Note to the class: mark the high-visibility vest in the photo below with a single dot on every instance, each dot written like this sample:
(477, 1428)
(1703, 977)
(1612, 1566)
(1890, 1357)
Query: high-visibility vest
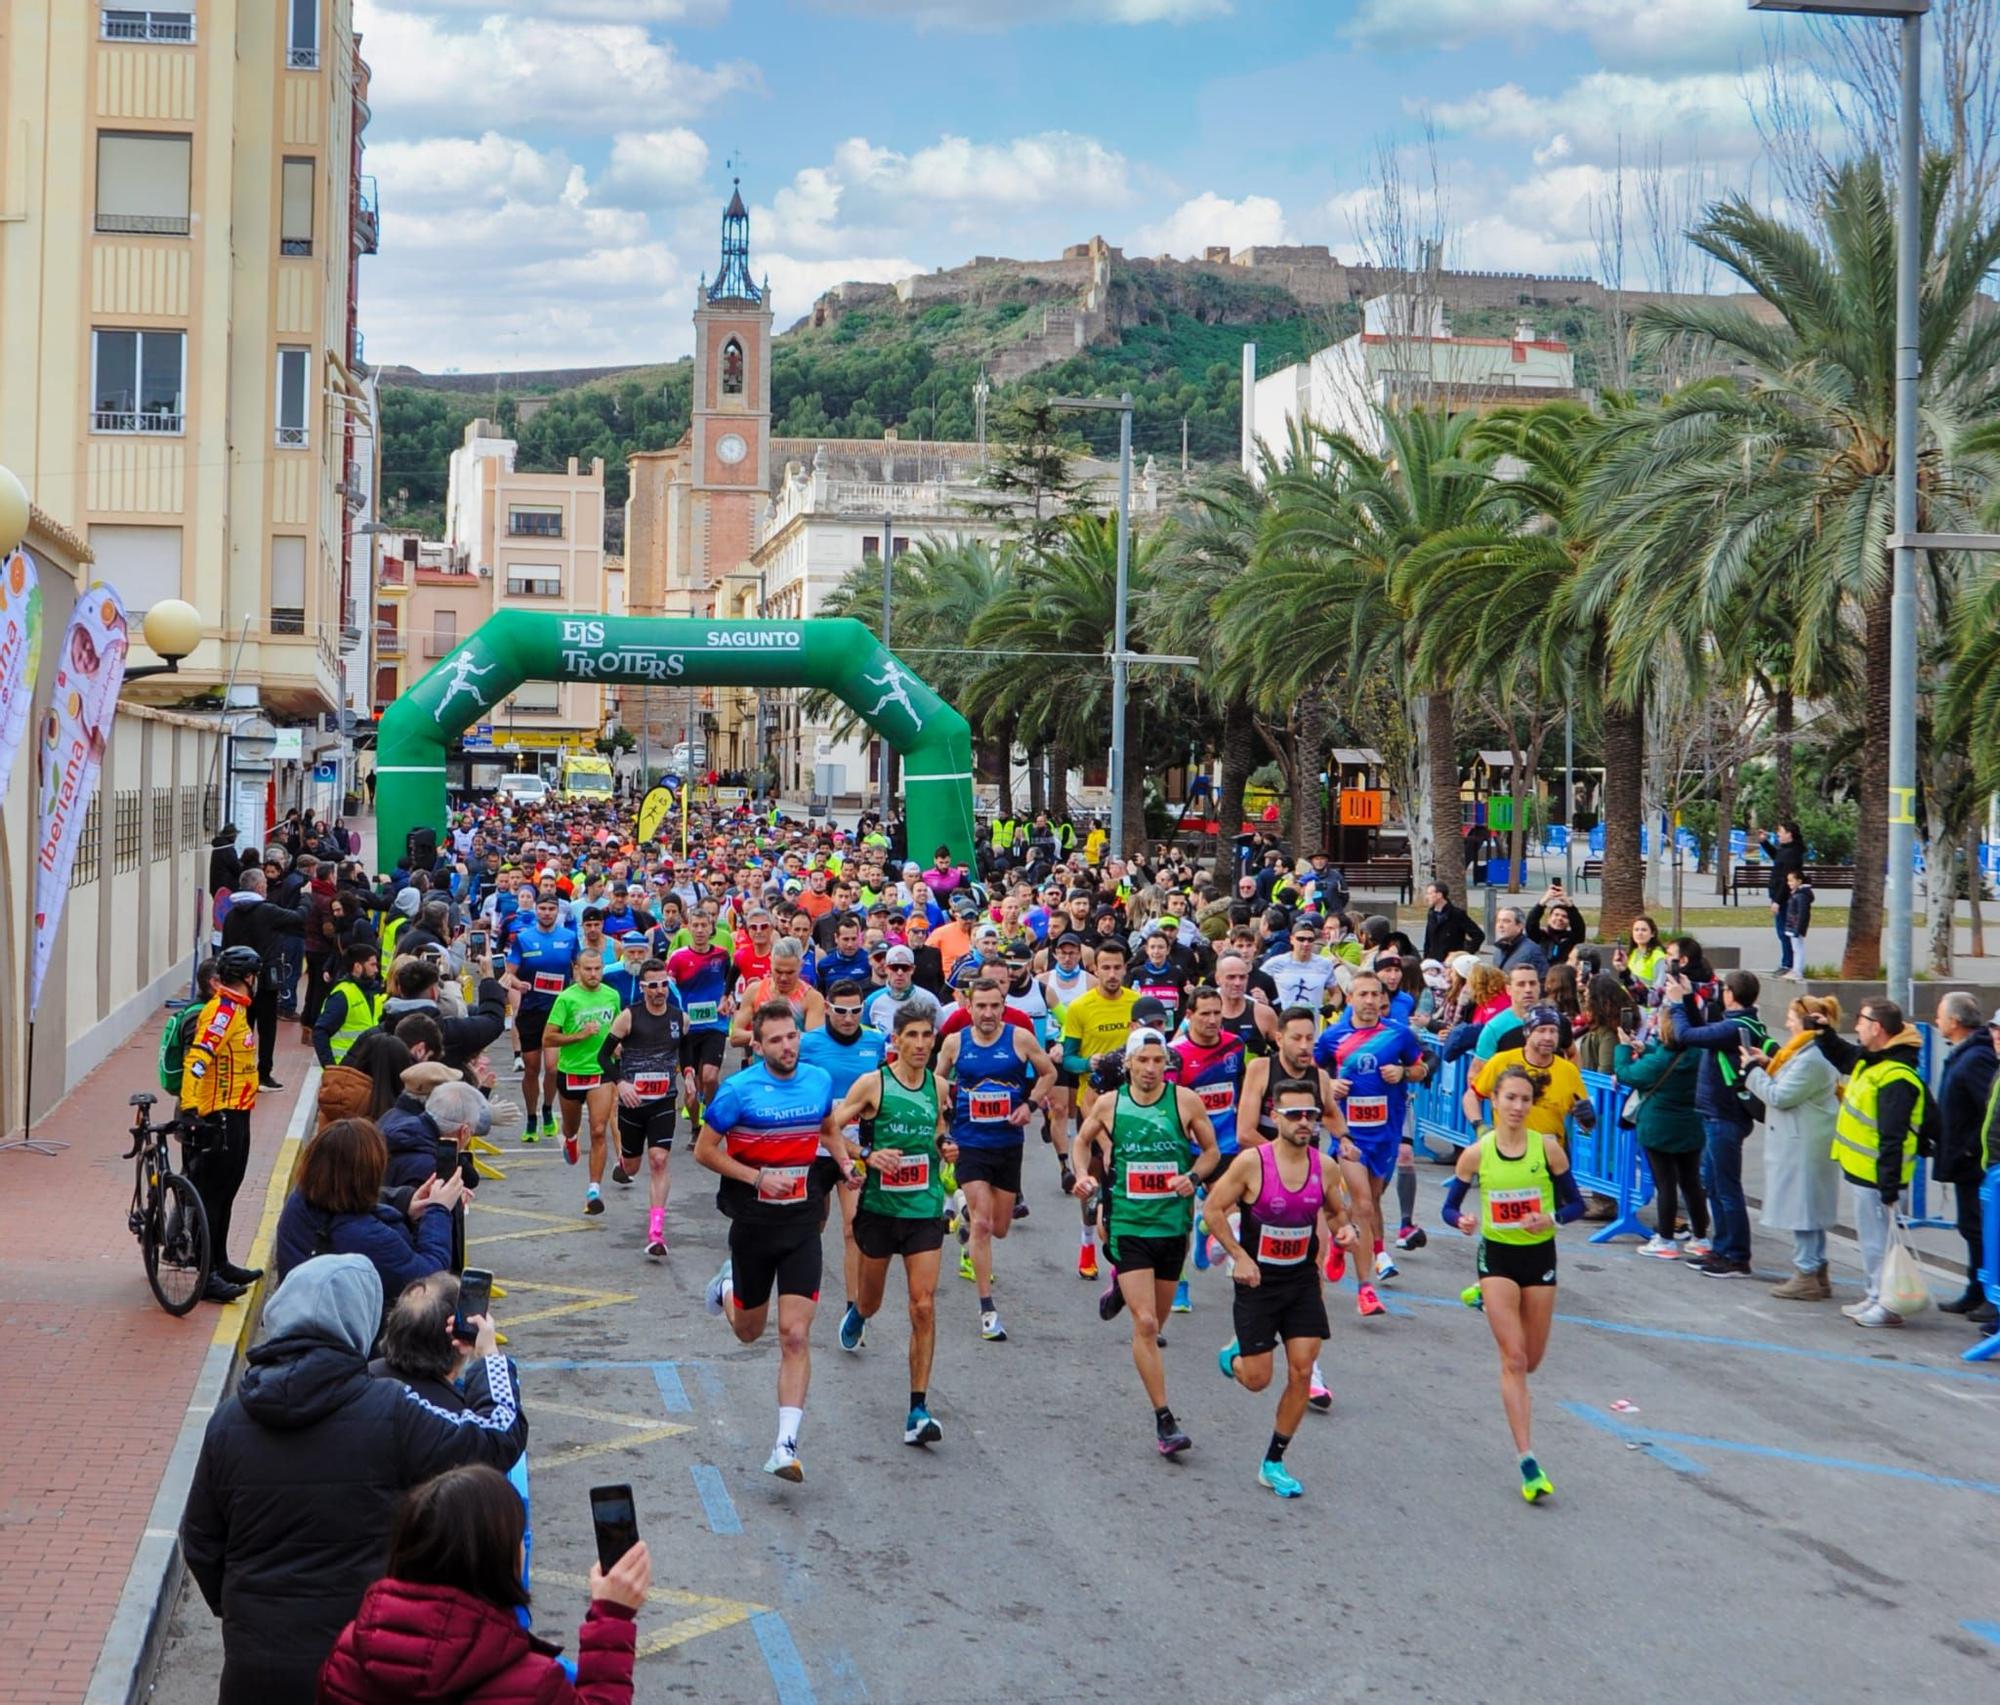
(1003, 833)
(363, 1012)
(390, 930)
(1857, 1140)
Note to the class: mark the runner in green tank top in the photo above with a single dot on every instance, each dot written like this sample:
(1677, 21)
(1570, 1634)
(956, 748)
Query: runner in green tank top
(579, 1024)
(1147, 1127)
(902, 1197)
(1525, 1190)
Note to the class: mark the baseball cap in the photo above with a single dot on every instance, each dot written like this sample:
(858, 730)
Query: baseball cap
(1149, 1009)
(899, 956)
(1143, 1037)
(986, 932)
(1541, 1015)
(963, 902)
(1069, 938)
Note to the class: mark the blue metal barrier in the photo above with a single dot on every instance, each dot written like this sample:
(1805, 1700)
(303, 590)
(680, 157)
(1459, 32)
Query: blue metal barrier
(1919, 1204)
(1607, 1160)
(517, 1477)
(1989, 1263)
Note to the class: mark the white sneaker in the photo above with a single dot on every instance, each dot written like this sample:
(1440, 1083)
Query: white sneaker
(1661, 1248)
(1855, 1310)
(1876, 1315)
(716, 1286)
(1385, 1266)
(784, 1463)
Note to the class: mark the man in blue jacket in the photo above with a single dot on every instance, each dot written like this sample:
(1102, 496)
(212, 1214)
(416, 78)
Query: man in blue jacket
(1964, 1090)
(1726, 1115)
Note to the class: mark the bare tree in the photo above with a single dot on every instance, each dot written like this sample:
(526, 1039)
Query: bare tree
(1402, 232)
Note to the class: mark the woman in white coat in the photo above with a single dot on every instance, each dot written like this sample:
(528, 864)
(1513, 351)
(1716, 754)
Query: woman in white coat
(1801, 1091)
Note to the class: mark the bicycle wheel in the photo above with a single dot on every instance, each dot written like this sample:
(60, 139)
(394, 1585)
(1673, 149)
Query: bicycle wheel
(175, 1242)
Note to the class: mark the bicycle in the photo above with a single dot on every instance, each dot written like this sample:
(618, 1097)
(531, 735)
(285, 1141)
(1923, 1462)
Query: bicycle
(166, 1215)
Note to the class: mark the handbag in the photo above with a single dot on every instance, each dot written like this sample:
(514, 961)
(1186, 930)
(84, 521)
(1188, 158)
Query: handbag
(1903, 1290)
(1628, 1114)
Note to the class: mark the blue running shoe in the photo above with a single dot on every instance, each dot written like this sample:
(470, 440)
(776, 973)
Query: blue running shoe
(853, 1330)
(921, 1429)
(1279, 1479)
(1225, 1359)
(1183, 1303)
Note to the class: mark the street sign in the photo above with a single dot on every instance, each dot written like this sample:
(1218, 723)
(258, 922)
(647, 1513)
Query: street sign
(326, 772)
(290, 744)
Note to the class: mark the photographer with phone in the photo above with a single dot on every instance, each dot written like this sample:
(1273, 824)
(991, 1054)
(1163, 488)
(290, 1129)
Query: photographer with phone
(443, 1624)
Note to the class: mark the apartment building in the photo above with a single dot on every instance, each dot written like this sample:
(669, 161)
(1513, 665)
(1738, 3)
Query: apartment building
(182, 210)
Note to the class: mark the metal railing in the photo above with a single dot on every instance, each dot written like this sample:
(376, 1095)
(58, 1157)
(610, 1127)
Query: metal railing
(288, 618)
(143, 224)
(388, 643)
(144, 421)
(125, 23)
(291, 437)
(295, 245)
(367, 215)
(302, 59)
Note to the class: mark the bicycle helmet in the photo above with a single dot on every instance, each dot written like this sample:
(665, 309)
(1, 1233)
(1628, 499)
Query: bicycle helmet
(237, 964)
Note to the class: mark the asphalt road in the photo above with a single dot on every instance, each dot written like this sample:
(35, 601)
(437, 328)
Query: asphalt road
(1795, 1509)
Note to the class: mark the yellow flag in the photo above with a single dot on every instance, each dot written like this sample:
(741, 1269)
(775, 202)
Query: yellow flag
(653, 811)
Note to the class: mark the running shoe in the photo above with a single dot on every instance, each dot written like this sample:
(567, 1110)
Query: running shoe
(1086, 1261)
(1696, 1249)
(1716, 1268)
(569, 1151)
(531, 1132)
(1385, 1266)
(1171, 1440)
(1473, 1297)
(1068, 1178)
(716, 1286)
(784, 1463)
(1410, 1236)
(1317, 1395)
(853, 1330)
(965, 1266)
(990, 1328)
(1535, 1485)
(1854, 1310)
(517, 1065)
(593, 1200)
(920, 1428)
(1279, 1479)
(1876, 1315)
(619, 1175)
(656, 1248)
(1212, 1248)
(1110, 1302)
(1225, 1359)
(656, 1233)
(1367, 1302)
(1661, 1248)
(1336, 1265)
(1183, 1303)
(1020, 1209)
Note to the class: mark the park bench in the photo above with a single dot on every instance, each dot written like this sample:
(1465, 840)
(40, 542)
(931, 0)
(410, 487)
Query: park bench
(1755, 878)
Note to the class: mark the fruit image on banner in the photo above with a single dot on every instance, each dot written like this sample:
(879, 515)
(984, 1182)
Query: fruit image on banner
(20, 655)
(82, 702)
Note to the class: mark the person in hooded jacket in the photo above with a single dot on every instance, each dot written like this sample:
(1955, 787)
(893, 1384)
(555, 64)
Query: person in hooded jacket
(337, 1208)
(443, 1624)
(294, 1494)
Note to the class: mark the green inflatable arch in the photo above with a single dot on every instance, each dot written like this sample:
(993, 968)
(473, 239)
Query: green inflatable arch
(839, 656)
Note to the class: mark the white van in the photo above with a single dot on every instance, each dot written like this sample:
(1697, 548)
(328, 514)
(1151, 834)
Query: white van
(528, 789)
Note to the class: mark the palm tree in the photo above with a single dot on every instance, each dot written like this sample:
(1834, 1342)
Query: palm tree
(1789, 478)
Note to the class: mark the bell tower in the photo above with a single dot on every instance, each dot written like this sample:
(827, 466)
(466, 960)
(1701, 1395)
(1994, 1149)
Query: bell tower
(731, 428)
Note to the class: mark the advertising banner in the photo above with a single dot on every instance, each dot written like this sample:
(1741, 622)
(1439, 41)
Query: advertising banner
(82, 703)
(653, 811)
(20, 655)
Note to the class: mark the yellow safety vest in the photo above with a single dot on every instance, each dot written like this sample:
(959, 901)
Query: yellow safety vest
(390, 930)
(362, 1013)
(1857, 1142)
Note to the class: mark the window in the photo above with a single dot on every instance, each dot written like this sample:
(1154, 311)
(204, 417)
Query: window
(295, 221)
(163, 819)
(288, 585)
(443, 637)
(732, 369)
(538, 697)
(535, 520)
(292, 368)
(534, 580)
(127, 824)
(303, 52)
(124, 23)
(142, 183)
(89, 844)
(144, 563)
(190, 818)
(136, 380)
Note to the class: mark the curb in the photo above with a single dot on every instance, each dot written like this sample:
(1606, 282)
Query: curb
(145, 1605)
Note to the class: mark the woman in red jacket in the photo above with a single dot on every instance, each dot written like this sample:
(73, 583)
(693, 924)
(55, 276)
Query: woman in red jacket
(441, 1626)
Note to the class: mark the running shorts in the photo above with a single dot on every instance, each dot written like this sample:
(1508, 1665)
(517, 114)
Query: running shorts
(1275, 1312)
(580, 1096)
(1167, 1256)
(1378, 1153)
(1000, 1168)
(1527, 1264)
(703, 1048)
(880, 1236)
(528, 1027)
(650, 1125)
(763, 1256)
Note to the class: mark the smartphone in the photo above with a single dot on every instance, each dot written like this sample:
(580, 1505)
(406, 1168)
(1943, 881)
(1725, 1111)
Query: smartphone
(475, 943)
(444, 1157)
(1629, 1020)
(616, 1519)
(475, 1297)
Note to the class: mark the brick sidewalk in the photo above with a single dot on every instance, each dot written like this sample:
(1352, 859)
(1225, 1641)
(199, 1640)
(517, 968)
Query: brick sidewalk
(98, 1376)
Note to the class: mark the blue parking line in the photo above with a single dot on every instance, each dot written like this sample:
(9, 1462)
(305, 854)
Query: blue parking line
(781, 1658)
(1985, 1630)
(716, 1502)
(672, 1393)
(1631, 1435)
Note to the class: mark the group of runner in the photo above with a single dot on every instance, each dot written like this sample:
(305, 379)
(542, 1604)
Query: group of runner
(900, 1031)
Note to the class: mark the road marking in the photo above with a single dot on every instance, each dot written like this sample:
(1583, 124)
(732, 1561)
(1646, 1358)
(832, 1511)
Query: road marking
(546, 1225)
(716, 1502)
(713, 1615)
(1631, 1435)
(585, 1301)
(638, 1422)
(781, 1658)
(563, 1455)
(1985, 1630)
(672, 1393)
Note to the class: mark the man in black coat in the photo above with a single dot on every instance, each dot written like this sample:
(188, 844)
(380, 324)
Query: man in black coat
(1964, 1090)
(256, 921)
(301, 1473)
(1787, 853)
(416, 990)
(225, 863)
(1448, 929)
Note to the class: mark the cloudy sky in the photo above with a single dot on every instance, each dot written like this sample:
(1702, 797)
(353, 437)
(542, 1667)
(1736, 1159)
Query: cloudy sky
(552, 171)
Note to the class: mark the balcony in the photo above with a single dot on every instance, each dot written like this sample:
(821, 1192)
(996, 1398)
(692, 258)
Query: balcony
(124, 23)
(367, 216)
(147, 422)
(143, 224)
(518, 587)
(302, 59)
(287, 619)
(290, 438)
(388, 643)
(393, 575)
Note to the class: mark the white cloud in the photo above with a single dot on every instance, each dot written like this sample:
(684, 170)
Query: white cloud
(1211, 218)
(1706, 112)
(994, 15)
(455, 171)
(649, 168)
(1622, 32)
(368, 13)
(1056, 166)
(523, 71)
(796, 283)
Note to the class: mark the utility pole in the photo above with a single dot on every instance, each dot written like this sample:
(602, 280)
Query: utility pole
(888, 570)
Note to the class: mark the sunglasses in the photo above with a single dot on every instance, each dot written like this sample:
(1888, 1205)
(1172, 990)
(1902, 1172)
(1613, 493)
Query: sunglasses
(653, 988)
(1297, 1112)
(845, 1011)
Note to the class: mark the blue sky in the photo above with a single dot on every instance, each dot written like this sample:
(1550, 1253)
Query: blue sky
(551, 171)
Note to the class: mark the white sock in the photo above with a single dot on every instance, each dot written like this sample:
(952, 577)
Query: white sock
(789, 1422)
(1316, 1377)
(1089, 1239)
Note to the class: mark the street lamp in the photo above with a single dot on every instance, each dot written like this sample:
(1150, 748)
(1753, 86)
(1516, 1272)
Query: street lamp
(1903, 596)
(13, 512)
(172, 629)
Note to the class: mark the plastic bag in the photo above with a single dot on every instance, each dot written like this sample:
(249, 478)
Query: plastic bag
(1903, 1289)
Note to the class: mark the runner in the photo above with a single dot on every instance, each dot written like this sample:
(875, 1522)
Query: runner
(647, 1061)
(1245, 1015)
(579, 1025)
(899, 1110)
(1525, 1192)
(899, 968)
(1302, 974)
(1374, 1060)
(846, 1050)
(1095, 1027)
(1062, 982)
(1149, 1128)
(786, 983)
(1281, 1190)
(1210, 1063)
(987, 1065)
(701, 976)
(539, 966)
(1160, 972)
(764, 1132)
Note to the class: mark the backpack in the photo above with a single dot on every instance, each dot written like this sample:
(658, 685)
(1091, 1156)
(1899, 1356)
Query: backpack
(174, 1039)
(1732, 1071)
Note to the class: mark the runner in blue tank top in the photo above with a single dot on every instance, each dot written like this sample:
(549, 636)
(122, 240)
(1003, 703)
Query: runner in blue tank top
(539, 966)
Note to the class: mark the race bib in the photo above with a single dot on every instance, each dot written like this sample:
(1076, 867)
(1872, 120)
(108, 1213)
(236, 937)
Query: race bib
(1217, 1097)
(1366, 1110)
(1512, 1207)
(1150, 1177)
(912, 1172)
(1283, 1245)
(1165, 993)
(703, 1012)
(579, 1081)
(654, 1088)
(549, 982)
(990, 1106)
(782, 1184)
